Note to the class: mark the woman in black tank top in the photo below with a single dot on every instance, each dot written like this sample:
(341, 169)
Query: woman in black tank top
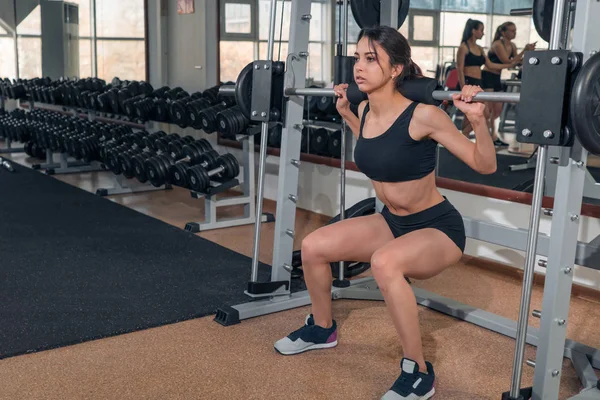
(503, 51)
(469, 60)
(418, 233)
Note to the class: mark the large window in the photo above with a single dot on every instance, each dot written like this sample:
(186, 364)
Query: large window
(111, 41)
(245, 33)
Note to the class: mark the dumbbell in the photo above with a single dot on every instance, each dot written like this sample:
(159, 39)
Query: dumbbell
(231, 122)
(125, 161)
(227, 169)
(318, 141)
(208, 117)
(179, 149)
(138, 165)
(8, 166)
(179, 171)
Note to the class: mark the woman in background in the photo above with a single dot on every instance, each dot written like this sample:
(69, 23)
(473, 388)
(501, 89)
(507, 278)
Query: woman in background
(469, 60)
(502, 51)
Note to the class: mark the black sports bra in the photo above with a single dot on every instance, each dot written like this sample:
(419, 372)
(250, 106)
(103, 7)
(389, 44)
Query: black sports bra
(394, 156)
(494, 57)
(471, 60)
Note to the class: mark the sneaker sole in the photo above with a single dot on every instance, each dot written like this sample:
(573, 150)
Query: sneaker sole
(312, 347)
(429, 395)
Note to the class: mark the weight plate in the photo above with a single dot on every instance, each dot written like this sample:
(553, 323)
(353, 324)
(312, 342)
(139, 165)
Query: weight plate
(585, 105)
(352, 268)
(542, 17)
(179, 175)
(334, 145)
(243, 90)
(319, 141)
(366, 12)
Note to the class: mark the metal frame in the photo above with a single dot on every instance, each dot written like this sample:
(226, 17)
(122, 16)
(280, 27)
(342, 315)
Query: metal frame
(247, 197)
(561, 247)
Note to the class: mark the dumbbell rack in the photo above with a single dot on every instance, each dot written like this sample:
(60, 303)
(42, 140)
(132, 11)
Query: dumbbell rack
(121, 186)
(247, 197)
(63, 166)
(7, 141)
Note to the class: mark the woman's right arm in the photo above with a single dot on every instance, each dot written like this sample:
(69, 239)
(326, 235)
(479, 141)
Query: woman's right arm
(352, 120)
(460, 64)
(343, 106)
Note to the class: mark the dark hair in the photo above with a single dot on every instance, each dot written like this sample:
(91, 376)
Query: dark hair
(397, 48)
(501, 29)
(469, 26)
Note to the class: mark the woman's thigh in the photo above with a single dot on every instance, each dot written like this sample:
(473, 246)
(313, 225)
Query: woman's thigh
(419, 254)
(353, 239)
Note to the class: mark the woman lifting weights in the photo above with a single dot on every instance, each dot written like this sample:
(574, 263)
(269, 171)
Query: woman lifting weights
(469, 60)
(419, 233)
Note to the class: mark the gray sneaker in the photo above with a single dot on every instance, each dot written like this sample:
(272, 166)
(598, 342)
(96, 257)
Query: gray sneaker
(309, 337)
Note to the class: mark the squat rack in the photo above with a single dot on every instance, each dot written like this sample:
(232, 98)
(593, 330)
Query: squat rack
(561, 247)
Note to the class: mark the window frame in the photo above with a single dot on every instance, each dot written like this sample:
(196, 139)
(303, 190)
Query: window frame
(435, 14)
(236, 36)
(94, 40)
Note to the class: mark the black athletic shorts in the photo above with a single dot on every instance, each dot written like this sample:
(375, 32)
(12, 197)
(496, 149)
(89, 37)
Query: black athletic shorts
(489, 80)
(469, 80)
(442, 216)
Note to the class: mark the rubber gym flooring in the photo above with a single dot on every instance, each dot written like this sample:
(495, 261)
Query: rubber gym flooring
(199, 359)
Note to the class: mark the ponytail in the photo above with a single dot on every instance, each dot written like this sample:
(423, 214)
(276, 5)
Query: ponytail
(469, 26)
(501, 29)
(411, 71)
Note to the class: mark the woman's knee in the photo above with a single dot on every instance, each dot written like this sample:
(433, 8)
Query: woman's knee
(386, 268)
(314, 248)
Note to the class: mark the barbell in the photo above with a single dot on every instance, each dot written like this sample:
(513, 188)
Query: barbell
(583, 101)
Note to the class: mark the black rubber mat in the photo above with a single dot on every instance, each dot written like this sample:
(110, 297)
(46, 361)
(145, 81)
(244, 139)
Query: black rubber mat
(76, 267)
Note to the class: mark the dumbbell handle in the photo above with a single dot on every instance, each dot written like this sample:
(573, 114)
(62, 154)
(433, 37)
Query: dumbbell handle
(216, 171)
(7, 165)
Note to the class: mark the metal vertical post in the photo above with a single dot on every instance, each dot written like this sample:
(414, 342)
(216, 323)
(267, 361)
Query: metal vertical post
(570, 178)
(93, 41)
(263, 156)
(534, 225)
(291, 135)
(344, 134)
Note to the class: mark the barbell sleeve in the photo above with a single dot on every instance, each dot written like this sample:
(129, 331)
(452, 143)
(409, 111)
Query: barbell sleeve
(327, 92)
(481, 96)
(227, 90)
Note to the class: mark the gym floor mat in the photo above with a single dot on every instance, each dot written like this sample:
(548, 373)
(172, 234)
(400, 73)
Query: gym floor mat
(76, 267)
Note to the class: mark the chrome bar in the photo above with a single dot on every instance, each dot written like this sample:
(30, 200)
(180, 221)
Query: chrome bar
(227, 90)
(481, 96)
(310, 92)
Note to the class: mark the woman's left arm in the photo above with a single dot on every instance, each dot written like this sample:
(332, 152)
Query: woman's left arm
(481, 155)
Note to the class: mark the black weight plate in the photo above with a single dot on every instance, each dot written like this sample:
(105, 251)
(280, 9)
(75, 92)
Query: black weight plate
(352, 268)
(585, 105)
(208, 159)
(178, 174)
(275, 136)
(191, 150)
(232, 166)
(334, 145)
(319, 141)
(139, 169)
(243, 90)
(542, 17)
(198, 178)
(366, 12)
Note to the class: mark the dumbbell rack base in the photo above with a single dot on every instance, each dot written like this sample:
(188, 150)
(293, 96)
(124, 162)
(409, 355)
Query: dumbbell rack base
(10, 149)
(64, 166)
(124, 187)
(247, 198)
(211, 205)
